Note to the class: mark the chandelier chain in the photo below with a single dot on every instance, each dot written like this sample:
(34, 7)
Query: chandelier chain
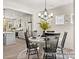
(45, 4)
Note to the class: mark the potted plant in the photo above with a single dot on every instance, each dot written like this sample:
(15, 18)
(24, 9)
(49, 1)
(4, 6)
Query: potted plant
(44, 26)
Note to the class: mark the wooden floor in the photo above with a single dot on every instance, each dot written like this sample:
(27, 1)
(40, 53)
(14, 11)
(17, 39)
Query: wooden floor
(16, 51)
(11, 51)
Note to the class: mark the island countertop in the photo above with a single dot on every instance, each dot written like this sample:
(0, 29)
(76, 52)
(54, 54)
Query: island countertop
(9, 38)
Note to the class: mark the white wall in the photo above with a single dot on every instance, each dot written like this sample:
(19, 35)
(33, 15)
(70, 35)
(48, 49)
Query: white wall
(68, 27)
(65, 10)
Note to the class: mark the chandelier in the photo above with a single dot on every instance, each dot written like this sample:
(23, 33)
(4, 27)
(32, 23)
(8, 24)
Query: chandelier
(44, 14)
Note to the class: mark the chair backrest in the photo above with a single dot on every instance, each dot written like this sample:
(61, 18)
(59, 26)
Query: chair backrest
(4, 39)
(27, 40)
(34, 33)
(53, 41)
(63, 39)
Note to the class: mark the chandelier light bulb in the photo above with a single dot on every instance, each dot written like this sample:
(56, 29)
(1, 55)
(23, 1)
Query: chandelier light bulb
(39, 14)
(42, 16)
(51, 14)
(45, 13)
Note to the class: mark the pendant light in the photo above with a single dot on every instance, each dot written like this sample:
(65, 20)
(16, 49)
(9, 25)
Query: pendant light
(44, 14)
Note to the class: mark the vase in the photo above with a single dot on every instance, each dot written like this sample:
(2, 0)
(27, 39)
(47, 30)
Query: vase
(43, 35)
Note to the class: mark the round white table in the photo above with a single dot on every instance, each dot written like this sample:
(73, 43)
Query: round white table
(37, 39)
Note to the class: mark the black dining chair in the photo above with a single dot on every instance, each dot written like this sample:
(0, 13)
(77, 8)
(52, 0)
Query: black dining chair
(32, 48)
(62, 43)
(51, 48)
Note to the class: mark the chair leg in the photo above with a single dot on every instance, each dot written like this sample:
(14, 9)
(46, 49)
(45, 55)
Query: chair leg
(44, 56)
(37, 54)
(54, 56)
(62, 53)
(28, 54)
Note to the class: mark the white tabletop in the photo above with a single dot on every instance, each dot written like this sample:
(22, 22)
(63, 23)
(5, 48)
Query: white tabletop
(37, 39)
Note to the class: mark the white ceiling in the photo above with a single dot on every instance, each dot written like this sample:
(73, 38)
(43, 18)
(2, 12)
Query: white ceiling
(37, 4)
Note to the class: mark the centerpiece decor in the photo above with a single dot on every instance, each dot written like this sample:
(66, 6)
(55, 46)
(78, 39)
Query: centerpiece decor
(44, 26)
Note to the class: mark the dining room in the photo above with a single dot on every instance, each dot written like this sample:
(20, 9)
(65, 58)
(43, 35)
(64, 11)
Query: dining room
(39, 29)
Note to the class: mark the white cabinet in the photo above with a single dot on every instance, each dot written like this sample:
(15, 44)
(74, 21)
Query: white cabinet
(9, 38)
(21, 34)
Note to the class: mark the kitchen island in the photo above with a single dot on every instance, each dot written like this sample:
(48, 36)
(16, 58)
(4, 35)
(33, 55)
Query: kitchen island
(9, 38)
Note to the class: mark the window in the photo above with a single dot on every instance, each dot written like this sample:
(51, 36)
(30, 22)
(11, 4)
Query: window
(59, 19)
(72, 18)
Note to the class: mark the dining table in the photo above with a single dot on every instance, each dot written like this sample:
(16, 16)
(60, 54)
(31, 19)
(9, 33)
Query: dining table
(39, 39)
(42, 41)
(36, 39)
